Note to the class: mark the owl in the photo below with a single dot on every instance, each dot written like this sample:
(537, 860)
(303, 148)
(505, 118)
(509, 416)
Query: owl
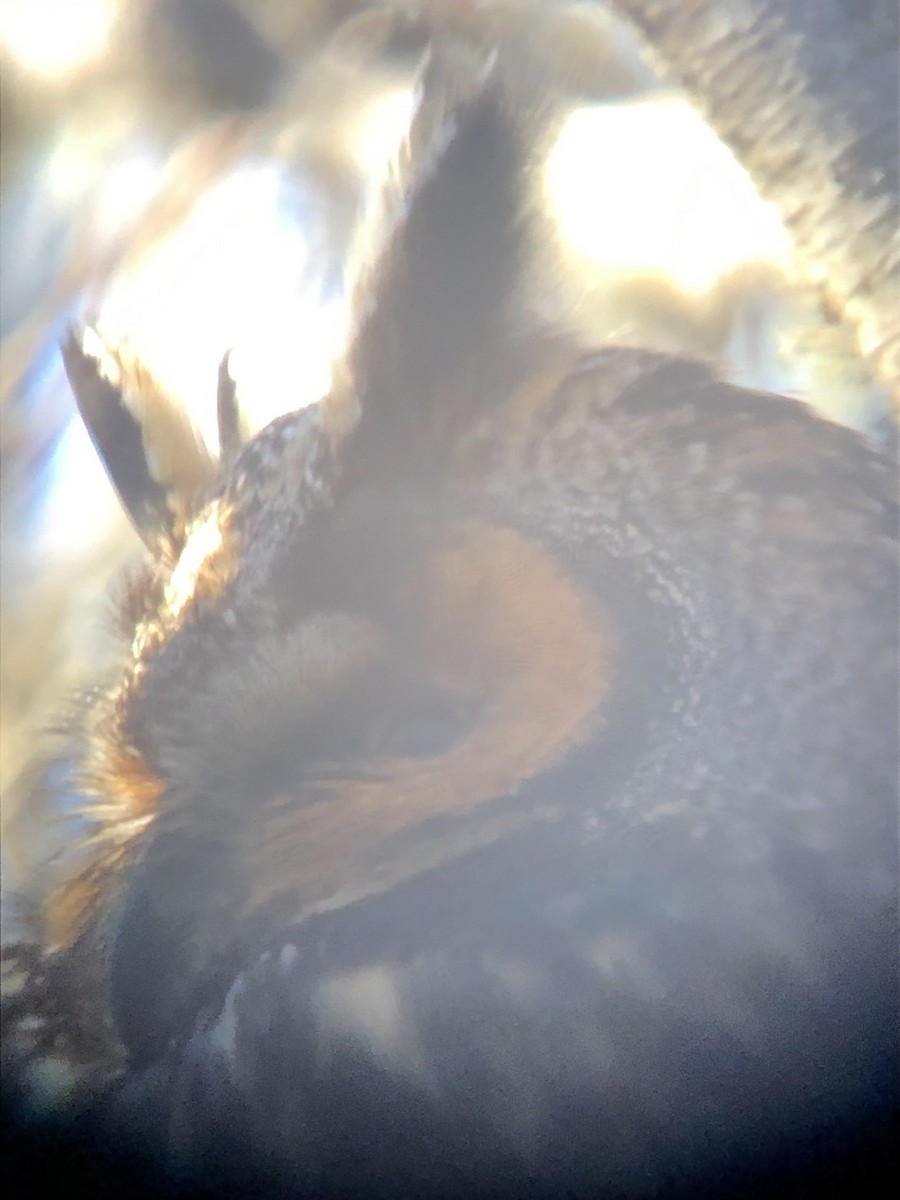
(498, 790)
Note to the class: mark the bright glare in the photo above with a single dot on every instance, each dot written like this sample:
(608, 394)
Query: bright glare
(379, 130)
(78, 511)
(120, 189)
(129, 186)
(230, 277)
(54, 37)
(647, 187)
(235, 277)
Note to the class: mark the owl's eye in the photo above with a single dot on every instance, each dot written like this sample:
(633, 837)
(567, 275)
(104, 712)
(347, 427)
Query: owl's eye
(425, 728)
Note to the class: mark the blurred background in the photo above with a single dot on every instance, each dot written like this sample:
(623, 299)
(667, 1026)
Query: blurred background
(189, 177)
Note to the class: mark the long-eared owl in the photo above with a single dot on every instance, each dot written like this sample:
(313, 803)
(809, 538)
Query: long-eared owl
(499, 791)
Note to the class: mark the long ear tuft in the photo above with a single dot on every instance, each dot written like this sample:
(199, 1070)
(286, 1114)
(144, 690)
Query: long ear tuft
(435, 316)
(155, 459)
(116, 434)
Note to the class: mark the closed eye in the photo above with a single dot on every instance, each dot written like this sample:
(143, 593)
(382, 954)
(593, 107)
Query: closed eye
(343, 774)
(427, 729)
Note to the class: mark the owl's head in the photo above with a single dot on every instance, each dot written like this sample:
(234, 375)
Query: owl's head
(345, 667)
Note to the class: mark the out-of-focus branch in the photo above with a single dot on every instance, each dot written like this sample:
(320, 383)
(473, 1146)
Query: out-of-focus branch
(807, 97)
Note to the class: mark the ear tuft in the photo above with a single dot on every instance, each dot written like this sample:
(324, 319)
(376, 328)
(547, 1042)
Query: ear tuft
(436, 314)
(154, 457)
(232, 431)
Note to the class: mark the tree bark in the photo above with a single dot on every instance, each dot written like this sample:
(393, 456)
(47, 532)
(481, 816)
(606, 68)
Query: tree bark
(805, 92)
